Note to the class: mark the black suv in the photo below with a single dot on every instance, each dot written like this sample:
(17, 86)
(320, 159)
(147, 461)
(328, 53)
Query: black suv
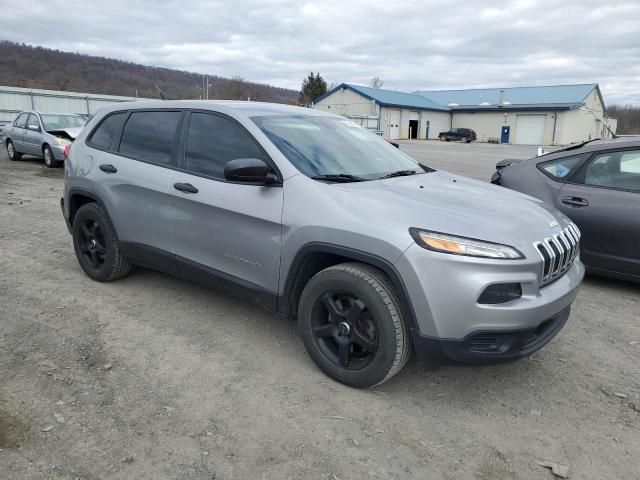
(463, 134)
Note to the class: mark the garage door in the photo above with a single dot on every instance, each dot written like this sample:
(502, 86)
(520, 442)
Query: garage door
(530, 129)
(393, 124)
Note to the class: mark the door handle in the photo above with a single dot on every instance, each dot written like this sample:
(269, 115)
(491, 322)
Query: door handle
(108, 168)
(185, 187)
(575, 201)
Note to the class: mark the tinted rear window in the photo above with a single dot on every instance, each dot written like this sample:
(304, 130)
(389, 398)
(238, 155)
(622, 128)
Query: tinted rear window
(107, 130)
(150, 136)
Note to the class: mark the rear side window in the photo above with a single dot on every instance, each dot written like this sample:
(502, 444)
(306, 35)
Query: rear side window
(562, 167)
(21, 121)
(107, 131)
(212, 141)
(150, 136)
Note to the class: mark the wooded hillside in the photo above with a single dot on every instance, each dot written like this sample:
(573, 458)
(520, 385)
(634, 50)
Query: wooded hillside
(37, 67)
(628, 117)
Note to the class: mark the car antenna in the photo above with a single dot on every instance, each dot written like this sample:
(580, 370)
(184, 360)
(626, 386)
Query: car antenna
(160, 92)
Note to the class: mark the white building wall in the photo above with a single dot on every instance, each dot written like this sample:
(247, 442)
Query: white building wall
(583, 124)
(347, 102)
(14, 100)
(438, 121)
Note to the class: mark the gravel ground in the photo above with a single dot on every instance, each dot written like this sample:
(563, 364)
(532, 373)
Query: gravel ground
(153, 377)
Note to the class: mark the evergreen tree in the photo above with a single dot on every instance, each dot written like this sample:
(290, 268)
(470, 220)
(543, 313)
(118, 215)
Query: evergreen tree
(313, 86)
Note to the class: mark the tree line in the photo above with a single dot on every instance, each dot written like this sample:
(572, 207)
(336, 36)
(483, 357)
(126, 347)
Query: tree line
(38, 67)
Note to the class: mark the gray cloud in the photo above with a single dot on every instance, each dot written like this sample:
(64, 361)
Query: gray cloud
(410, 45)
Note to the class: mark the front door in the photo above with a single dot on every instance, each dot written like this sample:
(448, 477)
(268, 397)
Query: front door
(32, 140)
(226, 234)
(604, 201)
(504, 135)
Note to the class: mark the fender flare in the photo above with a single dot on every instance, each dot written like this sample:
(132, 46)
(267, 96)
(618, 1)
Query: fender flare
(92, 195)
(351, 253)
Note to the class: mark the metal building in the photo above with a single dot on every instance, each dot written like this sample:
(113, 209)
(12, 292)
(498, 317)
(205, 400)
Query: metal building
(389, 113)
(15, 99)
(549, 115)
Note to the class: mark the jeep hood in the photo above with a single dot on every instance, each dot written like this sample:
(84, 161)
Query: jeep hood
(448, 203)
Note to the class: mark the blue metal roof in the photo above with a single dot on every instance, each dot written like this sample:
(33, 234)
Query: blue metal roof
(531, 96)
(389, 98)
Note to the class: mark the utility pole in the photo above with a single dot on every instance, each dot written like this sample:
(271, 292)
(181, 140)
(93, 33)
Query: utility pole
(207, 80)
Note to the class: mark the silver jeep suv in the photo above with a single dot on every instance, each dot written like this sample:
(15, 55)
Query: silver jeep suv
(314, 218)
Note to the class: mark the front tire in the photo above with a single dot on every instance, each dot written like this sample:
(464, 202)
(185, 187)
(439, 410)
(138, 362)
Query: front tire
(49, 159)
(351, 324)
(464, 140)
(12, 153)
(96, 245)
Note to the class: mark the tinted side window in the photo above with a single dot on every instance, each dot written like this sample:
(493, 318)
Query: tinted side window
(561, 167)
(212, 141)
(21, 121)
(106, 131)
(150, 136)
(615, 170)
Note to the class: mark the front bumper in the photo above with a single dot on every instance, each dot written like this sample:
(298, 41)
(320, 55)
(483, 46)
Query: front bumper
(58, 152)
(444, 290)
(487, 347)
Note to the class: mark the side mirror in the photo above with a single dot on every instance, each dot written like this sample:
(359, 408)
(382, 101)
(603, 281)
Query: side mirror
(35, 128)
(249, 170)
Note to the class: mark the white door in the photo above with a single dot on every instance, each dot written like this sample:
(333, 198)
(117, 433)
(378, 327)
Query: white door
(530, 129)
(393, 123)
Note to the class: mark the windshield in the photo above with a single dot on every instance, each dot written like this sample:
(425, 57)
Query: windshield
(319, 146)
(60, 122)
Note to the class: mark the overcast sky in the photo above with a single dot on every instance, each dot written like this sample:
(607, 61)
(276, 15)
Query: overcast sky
(411, 45)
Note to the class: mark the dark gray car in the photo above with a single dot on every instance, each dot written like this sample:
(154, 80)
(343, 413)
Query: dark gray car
(597, 185)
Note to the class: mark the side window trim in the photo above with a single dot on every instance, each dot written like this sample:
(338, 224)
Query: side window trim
(181, 164)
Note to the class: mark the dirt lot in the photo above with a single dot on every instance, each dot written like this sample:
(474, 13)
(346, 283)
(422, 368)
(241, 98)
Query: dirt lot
(153, 377)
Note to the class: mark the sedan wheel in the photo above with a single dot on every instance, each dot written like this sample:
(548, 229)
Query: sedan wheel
(11, 151)
(49, 159)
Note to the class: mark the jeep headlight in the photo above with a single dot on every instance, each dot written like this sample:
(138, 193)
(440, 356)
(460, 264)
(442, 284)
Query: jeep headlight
(444, 243)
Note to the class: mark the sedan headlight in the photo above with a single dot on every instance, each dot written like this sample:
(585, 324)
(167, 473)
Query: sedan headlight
(61, 141)
(441, 242)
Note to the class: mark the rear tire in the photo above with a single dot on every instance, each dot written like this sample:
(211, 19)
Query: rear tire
(96, 245)
(12, 153)
(351, 324)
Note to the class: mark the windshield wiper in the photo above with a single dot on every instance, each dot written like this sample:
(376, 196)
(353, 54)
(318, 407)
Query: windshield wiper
(398, 173)
(339, 177)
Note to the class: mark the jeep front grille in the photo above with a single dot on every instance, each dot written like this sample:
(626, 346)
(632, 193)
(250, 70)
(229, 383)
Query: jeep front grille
(558, 253)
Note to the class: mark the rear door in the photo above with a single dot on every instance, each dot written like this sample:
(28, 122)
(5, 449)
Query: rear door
(134, 153)
(225, 233)
(603, 199)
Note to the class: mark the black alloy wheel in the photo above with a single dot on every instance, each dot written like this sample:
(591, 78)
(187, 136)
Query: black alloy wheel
(345, 330)
(92, 244)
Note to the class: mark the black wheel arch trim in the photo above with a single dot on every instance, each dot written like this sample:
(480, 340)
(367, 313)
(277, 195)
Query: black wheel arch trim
(92, 195)
(285, 298)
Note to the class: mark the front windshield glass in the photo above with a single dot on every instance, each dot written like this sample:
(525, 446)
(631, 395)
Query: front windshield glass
(60, 122)
(318, 145)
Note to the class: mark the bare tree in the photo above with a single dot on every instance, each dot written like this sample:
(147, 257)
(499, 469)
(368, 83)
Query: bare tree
(376, 82)
(62, 82)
